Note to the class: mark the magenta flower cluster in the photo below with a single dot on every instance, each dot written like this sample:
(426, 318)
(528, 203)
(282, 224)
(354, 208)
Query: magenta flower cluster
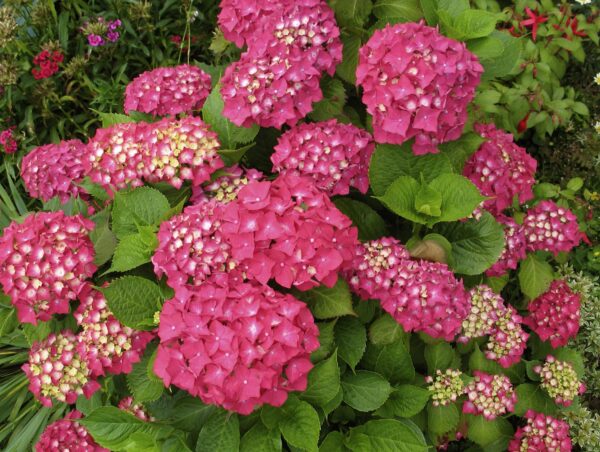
(554, 315)
(416, 83)
(501, 169)
(44, 262)
(514, 247)
(335, 155)
(541, 433)
(489, 396)
(236, 344)
(67, 434)
(168, 91)
(100, 31)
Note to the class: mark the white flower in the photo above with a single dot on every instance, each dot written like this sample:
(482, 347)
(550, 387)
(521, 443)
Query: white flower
(584, 2)
(597, 79)
(597, 126)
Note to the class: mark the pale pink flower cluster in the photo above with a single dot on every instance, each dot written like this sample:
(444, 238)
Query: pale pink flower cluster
(67, 434)
(446, 387)
(57, 371)
(501, 169)
(555, 314)
(541, 434)
(508, 340)
(489, 396)
(550, 227)
(514, 247)
(335, 155)
(136, 409)
(44, 262)
(54, 170)
(225, 187)
(417, 83)
(559, 379)
(104, 343)
(168, 90)
(235, 344)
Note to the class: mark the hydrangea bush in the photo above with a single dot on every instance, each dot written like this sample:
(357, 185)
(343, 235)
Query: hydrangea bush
(314, 242)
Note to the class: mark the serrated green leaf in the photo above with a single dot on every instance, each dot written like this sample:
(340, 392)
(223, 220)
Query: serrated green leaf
(369, 223)
(144, 385)
(428, 201)
(143, 206)
(459, 197)
(352, 12)
(474, 23)
(484, 432)
(351, 340)
(260, 438)
(365, 390)
(323, 382)
(386, 435)
(406, 401)
(535, 276)
(459, 151)
(385, 330)
(400, 199)
(326, 341)
(438, 356)
(220, 433)
(406, 9)
(134, 301)
(299, 424)
(532, 396)
(134, 250)
(346, 70)
(442, 419)
(332, 104)
(110, 119)
(327, 303)
(505, 63)
(393, 361)
(333, 442)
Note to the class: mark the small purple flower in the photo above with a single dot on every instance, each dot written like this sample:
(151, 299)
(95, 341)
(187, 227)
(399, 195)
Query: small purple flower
(113, 25)
(112, 36)
(95, 40)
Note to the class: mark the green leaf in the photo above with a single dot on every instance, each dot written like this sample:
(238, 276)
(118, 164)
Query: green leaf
(459, 197)
(332, 104)
(484, 432)
(535, 276)
(406, 401)
(459, 151)
(143, 206)
(134, 301)
(393, 361)
(299, 424)
(476, 245)
(370, 225)
(442, 419)
(326, 303)
(110, 119)
(352, 12)
(86, 406)
(385, 330)
(346, 70)
(365, 391)
(333, 442)
(351, 339)
(573, 357)
(504, 64)
(487, 47)
(323, 382)
(428, 201)
(400, 198)
(112, 428)
(230, 135)
(260, 438)
(453, 7)
(232, 156)
(475, 23)
(532, 396)
(386, 435)
(143, 383)
(326, 341)
(389, 162)
(438, 356)
(134, 250)
(221, 432)
(103, 238)
(406, 9)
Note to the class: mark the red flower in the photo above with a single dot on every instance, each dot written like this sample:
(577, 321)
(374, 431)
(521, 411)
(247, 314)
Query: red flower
(534, 21)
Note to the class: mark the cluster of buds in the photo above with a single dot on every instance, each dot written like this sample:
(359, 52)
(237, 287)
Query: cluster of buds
(559, 379)
(541, 433)
(168, 91)
(57, 371)
(136, 409)
(54, 170)
(8, 141)
(44, 262)
(501, 169)
(489, 396)
(8, 25)
(508, 340)
(417, 83)
(67, 434)
(486, 308)
(514, 247)
(104, 343)
(101, 31)
(47, 62)
(336, 156)
(236, 345)
(225, 187)
(555, 314)
(446, 387)
(552, 228)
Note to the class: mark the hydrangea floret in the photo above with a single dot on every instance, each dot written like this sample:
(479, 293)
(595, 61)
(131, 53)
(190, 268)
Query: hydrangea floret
(44, 262)
(416, 83)
(508, 340)
(489, 396)
(67, 434)
(542, 433)
(446, 387)
(514, 247)
(486, 308)
(335, 155)
(239, 21)
(137, 409)
(559, 379)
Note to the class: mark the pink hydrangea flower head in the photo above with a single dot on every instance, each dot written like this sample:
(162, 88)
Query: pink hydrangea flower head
(168, 90)
(118, 156)
(307, 29)
(335, 155)
(137, 409)
(56, 371)
(191, 246)
(416, 83)
(54, 170)
(486, 307)
(489, 396)
(270, 89)
(555, 314)
(184, 149)
(104, 343)
(514, 247)
(67, 434)
(240, 20)
(225, 187)
(446, 387)
(550, 227)
(501, 169)
(375, 266)
(508, 340)
(541, 434)
(426, 296)
(236, 345)
(559, 379)
(290, 231)
(44, 262)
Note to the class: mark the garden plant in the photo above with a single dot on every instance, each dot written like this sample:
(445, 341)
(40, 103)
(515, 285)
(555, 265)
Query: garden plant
(299, 225)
